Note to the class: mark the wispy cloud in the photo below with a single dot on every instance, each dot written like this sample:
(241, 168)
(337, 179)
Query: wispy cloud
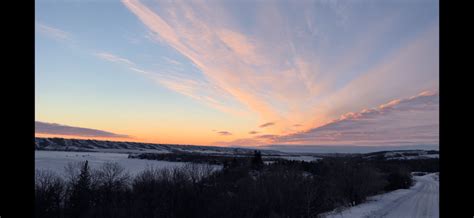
(302, 68)
(267, 137)
(200, 90)
(225, 49)
(172, 61)
(280, 71)
(224, 133)
(267, 124)
(59, 129)
(53, 32)
(114, 58)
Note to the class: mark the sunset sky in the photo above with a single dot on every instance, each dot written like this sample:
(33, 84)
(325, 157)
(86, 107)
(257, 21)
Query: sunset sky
(244, 73)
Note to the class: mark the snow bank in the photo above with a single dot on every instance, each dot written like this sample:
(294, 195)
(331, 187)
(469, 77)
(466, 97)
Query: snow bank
(421, 200)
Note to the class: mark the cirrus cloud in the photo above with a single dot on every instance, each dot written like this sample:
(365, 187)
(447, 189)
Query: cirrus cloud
(267, 124)
(300, 68)
(224, 133)
(53, 32)
(114, 58)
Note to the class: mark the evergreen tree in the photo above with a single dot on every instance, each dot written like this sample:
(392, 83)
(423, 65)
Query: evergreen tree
(257, 161)
(80, 198)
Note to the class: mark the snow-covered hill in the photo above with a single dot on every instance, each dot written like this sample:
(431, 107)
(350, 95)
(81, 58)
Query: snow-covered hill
(403, 155)
(61, 144)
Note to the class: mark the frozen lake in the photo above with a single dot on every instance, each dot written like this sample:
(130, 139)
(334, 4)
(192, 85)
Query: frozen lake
(58, 160)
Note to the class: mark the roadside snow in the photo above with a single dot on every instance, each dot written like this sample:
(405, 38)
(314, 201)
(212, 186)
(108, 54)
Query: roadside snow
(421, 200)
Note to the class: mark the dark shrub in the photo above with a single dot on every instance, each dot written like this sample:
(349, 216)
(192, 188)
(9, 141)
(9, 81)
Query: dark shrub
(398, 178)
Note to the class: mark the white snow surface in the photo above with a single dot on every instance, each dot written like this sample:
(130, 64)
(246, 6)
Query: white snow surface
(423, 156)
(421, 200)
(57, 161)
(301, 158)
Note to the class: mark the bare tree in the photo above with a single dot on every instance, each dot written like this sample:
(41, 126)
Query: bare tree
(49, 193)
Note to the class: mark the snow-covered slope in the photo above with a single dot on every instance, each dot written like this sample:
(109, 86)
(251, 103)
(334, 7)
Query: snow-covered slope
(61, 144)
(403, 155)
(421, 200)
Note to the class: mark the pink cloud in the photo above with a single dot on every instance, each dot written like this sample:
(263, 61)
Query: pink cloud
(273, 74)
(413, 120)
(408, 121)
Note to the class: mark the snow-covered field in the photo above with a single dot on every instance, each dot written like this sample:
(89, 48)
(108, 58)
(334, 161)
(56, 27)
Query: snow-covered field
(302, 158)
(58, 160)
(421, 200)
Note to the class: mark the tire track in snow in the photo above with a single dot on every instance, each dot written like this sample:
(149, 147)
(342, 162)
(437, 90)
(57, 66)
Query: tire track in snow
(421, 200)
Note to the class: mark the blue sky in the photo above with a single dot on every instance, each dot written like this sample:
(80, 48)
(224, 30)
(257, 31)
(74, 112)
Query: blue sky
(190, 71)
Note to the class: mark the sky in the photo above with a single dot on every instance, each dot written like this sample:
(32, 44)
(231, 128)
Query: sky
(239, 73)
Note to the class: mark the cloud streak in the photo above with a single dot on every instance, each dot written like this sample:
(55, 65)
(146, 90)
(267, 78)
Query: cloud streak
(53, 32)
(267, 124)
(224, 133)
(302, 67)
(59, 129)
(298, 80)
(172, 61)
(199, 90)
(114, 58)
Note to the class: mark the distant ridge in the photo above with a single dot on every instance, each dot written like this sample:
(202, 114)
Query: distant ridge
(402, 155)
(62, 144)
(345, 148)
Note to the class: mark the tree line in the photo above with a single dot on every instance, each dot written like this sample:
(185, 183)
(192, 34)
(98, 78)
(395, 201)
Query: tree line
(243, 188)
(196, 157)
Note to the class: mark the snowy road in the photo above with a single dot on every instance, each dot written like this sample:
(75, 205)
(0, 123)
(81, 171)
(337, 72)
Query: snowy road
(421, 200)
